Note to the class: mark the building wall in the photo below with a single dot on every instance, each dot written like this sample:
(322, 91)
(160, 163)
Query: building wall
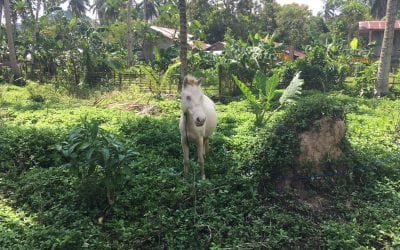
(378, 37)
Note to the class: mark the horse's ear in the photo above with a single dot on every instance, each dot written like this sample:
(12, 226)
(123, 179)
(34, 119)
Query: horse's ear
(190, 80)
(201, 81)
(186, 80)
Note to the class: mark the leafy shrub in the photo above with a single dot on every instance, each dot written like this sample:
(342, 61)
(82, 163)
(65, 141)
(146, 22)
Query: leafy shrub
(90, 150)
(365, 79)
(277, 148)
(25, 148)
(152, 134)
(318, 70)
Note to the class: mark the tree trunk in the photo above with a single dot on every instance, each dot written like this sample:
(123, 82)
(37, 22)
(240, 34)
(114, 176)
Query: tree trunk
(35, 17)
(382, 79)
(145, 11)
(183, 41)
(130, 41)
(1, 11)
(10, 38)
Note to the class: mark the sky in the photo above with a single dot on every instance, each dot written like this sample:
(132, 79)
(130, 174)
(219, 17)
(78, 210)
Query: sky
(314, 5)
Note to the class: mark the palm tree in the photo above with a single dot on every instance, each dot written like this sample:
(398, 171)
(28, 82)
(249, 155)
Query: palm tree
(1, 10)
(378, 8)
(183, 41)
(78, 7)
(382, 79)
(130, 38)
(34, 17)
(10, 38)
(107, 11)
(149, 9)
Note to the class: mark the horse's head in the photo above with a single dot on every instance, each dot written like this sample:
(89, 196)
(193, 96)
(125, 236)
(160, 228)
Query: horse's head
(192, 100)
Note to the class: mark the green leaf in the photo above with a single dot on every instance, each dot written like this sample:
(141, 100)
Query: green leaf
(89, 154)
(106, 154)
(73, 22)
(260, 81)
(293, 90)
(270, 87)
(246, 92)
(354, 43)
(72, 148)
(84, 146)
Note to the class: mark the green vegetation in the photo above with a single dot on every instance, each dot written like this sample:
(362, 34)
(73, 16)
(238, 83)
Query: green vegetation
(90, 152)
(45, 205)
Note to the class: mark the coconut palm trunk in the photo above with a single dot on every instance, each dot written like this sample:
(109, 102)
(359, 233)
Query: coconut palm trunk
(1, 11)
(183, 41)
(130, 39)
(382, 79)
(10, 38)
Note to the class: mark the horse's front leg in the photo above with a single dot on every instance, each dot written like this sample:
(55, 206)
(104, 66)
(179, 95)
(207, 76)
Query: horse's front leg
(206, 146)
(185, 149)
(200, 156)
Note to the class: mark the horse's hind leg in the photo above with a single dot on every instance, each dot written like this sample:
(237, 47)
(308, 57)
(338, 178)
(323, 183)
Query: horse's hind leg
(200, 156)
(185, 149)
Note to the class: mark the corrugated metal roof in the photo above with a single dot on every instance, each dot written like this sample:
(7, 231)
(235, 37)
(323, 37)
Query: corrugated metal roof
(375, 25)
(172, 34)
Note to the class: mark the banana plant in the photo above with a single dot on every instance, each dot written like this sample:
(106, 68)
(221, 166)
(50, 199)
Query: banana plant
(266, 89)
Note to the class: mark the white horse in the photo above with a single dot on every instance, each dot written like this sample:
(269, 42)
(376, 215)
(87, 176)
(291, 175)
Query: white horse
(198, 121)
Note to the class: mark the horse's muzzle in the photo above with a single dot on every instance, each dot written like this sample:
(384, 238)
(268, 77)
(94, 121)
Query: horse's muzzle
(199, 122)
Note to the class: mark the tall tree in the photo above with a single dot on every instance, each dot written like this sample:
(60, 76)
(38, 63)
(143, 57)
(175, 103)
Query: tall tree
(149, 9)
(10, 38)
(34, 17)
(78, 7)
(378, 8)
(183, 41)
(382, 78)
(292, 22)
(129, 35)
(268, 15)
(1, 10)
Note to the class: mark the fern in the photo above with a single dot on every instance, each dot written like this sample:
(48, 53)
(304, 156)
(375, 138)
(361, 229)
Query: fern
(293, 90)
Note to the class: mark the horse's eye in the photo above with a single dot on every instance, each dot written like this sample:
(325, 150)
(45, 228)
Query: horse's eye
(188, 98)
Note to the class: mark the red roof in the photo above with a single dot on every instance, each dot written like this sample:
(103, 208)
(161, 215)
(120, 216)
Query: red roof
(375, 25)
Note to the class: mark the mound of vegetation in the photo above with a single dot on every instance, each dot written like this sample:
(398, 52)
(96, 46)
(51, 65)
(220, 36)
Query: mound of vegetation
(281, 153)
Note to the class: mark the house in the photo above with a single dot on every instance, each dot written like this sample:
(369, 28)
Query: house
(372, 31)
(166, 38)
(216, 48)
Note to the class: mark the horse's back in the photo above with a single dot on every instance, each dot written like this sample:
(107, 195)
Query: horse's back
(211, 114)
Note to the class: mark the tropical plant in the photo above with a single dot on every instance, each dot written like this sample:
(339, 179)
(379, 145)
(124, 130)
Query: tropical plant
(266, 87)
(156, 81)
(90, 151)
(365, 78)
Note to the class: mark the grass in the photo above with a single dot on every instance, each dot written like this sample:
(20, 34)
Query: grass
(43, 206)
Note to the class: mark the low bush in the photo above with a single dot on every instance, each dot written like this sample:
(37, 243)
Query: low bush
(278, 147)
(318, 70)
(24, 148)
